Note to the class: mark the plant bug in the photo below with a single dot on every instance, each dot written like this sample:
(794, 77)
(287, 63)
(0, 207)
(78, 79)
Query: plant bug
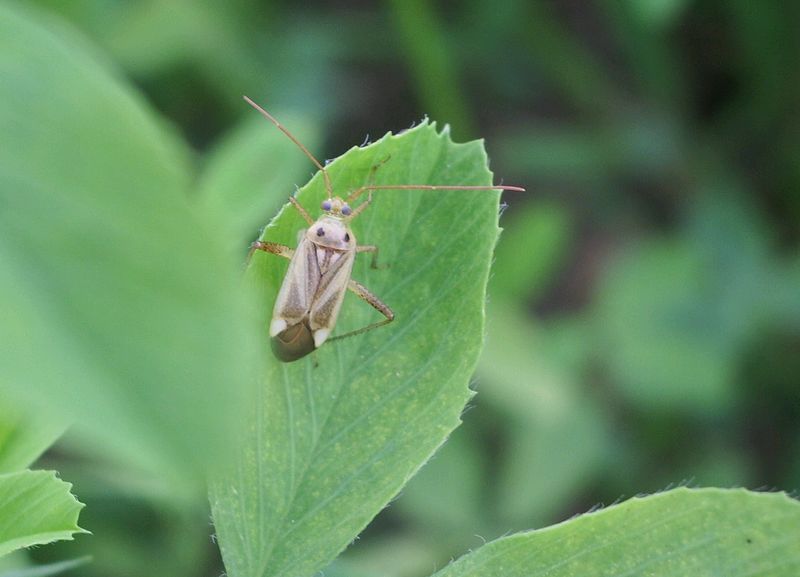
(318, 277)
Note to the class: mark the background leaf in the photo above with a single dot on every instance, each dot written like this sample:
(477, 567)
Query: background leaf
(331, 444)
(36, 508)
(532, 247)
(120, 309)
(674, 315)
(672, 534)
(552, 425)
(47, 570)
(24, 437)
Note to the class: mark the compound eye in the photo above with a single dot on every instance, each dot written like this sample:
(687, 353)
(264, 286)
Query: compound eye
(346, 210)
(326, 205)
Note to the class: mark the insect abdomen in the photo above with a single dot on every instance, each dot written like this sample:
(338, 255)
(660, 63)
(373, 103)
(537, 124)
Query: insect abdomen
(293, 343)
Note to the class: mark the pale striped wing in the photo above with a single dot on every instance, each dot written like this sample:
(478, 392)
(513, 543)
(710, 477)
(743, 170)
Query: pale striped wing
(297, 292)
(336, 268)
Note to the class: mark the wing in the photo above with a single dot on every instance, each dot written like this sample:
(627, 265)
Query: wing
(298, 289)
(330, 291)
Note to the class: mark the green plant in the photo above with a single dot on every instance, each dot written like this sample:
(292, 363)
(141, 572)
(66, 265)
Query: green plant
(126, 316)
(36, 507)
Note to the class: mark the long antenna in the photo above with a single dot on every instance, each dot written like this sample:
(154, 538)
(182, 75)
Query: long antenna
(299, 144)
(359, 191)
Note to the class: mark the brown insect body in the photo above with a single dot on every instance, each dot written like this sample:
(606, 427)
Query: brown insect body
(310, 298)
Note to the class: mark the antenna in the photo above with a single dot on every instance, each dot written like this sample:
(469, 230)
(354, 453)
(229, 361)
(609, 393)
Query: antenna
(359, 191)
(299, 144)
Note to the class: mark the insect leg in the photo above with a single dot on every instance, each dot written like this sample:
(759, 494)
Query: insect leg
(361, 207)
(363, 293)
(370, 182)
(375, 167)
(273, 247)
(374, 250)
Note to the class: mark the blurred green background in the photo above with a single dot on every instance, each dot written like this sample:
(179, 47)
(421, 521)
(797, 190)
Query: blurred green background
(644, 311)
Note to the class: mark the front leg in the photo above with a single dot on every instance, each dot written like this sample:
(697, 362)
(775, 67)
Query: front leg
(370, 181)
(271, 247)
(374, 250)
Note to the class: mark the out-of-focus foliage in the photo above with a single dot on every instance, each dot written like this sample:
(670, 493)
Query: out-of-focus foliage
(24, 437)
(56, 568)
(644, 315)
(106, 321)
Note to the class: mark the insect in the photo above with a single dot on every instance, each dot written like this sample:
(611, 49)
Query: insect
(318, 277)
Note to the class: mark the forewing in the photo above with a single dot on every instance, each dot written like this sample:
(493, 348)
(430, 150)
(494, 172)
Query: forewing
(300, 285)
(331, 289)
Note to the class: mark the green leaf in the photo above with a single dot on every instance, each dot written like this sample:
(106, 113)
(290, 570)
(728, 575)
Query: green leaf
(36, 507)
(698, 532)
(333, 440)
(24, 437)
(120, 307)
